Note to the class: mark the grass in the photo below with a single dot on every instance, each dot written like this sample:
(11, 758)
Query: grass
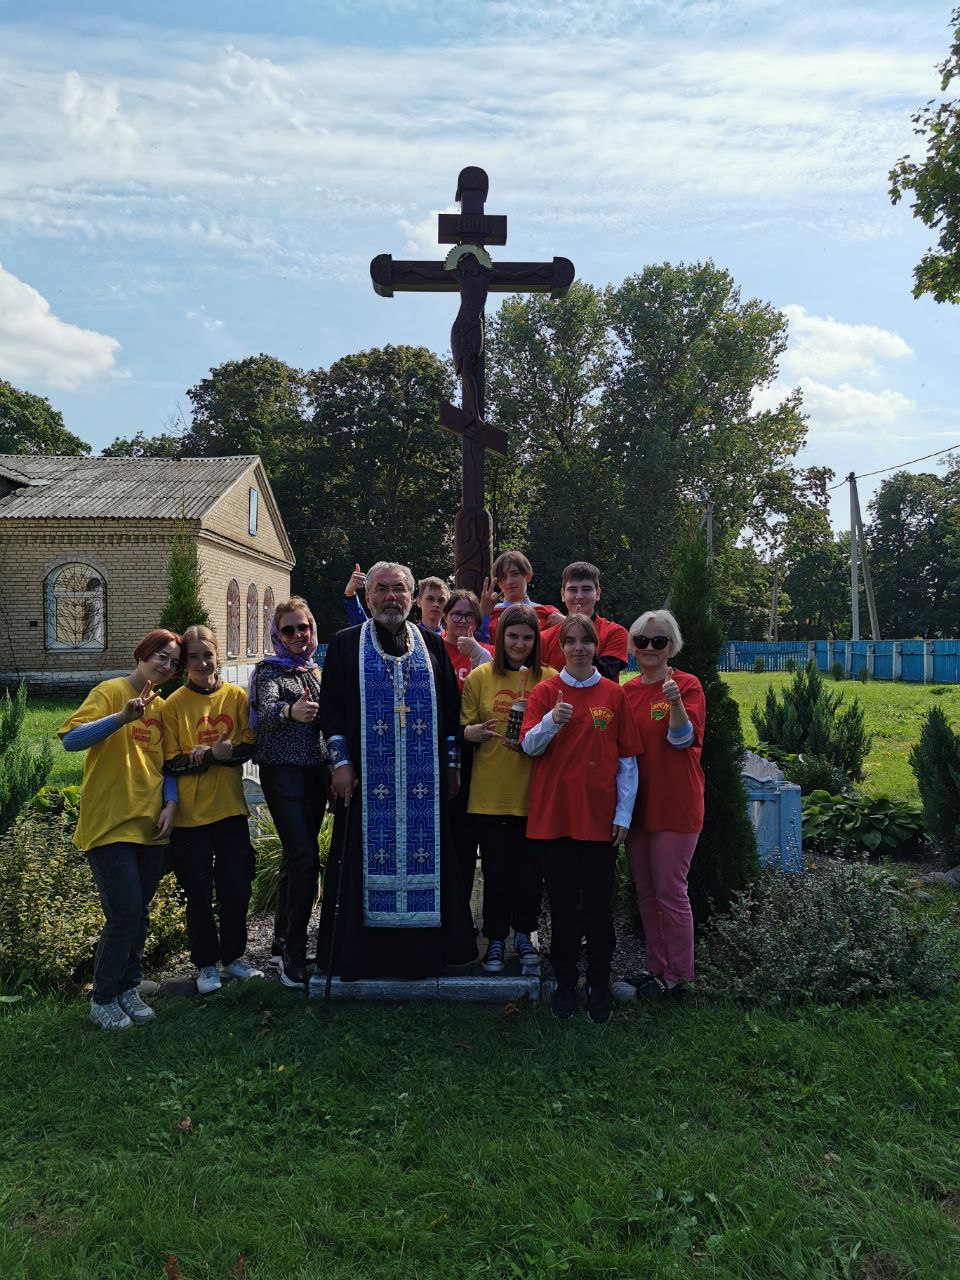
(44, 717)
(247, 1137)
(893, 714)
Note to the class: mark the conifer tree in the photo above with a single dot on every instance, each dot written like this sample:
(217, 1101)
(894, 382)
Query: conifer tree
(184, 607)
(935, 761)
(22, 771)
(726, 856)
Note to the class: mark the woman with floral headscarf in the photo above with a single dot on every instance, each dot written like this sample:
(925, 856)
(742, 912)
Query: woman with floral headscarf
(294, 774)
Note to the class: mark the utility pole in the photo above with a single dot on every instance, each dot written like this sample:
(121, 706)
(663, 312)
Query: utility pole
(865, 560)
(854, 581)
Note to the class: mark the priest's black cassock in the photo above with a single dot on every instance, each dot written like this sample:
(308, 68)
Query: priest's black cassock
(362, 951)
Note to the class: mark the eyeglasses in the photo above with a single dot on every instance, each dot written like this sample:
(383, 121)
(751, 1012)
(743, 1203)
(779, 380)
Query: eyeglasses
(462, 617)
(167, 660)
(301, 629)
(658, 642)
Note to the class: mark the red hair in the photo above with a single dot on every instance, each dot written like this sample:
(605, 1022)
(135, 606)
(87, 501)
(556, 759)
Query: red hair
(153, 642)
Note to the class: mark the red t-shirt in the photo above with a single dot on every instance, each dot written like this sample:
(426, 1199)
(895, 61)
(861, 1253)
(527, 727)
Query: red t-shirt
(459, 661)
(670, 797)
(612, 642)
(573, 790)
(543, 612)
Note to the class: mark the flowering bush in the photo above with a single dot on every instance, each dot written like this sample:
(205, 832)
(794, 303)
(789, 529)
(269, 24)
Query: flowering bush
(830, 936)
(50, 915)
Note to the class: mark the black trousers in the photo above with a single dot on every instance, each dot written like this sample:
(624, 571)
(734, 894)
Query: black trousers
(512, 875)
(297, 800)
(580, 876)
(126, 876)
(217, 857)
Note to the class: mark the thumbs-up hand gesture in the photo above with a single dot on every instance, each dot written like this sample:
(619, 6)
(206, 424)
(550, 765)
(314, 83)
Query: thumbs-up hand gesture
(356, 582)
(670, 689)
(305, 709)
(563, 711)
(467, 645)
(222, 749)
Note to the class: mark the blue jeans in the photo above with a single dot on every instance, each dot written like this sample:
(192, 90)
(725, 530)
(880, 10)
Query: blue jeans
(126, 877)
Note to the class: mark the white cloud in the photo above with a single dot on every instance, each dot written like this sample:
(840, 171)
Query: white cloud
(36, 344)
(422, 235)
(853, 411)
(205, 321)
(821, 347)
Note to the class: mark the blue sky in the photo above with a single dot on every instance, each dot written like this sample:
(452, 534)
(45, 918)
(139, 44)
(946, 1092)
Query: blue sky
(186, 184)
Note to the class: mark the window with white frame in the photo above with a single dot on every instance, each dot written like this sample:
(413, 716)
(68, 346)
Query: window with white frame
(76, 608)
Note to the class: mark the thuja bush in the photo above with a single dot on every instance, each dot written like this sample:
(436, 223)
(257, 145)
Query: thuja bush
(808, 718)
(840, 933)
(935, 761)
(23, 770)
(50, 916)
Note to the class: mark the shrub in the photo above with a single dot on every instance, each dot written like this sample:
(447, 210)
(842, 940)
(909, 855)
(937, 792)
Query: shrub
(270, 855)
(790, 665)
(184, 605)
(935, 762)
(758, 666)
(726, 856)
(837, 671)
(22, 770)
(813, 773)
(864, 674)
(50, 916)
(852, 826)
(842, 933)
(807, 718)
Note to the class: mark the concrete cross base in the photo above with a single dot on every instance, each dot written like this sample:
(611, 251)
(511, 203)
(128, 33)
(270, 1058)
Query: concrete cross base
(479, 990)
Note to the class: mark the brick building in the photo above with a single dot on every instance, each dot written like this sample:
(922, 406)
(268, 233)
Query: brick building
(84, 547)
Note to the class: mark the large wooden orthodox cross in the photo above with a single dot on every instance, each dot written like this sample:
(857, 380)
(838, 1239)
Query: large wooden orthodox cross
(469, 270)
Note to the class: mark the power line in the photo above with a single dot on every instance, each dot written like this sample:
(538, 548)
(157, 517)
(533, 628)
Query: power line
(896, 466)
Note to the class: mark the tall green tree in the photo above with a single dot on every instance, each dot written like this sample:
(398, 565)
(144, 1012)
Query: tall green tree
(908, 540)
(726, 856)
(30, 424)
(166, 445)
(934, 183)
(184, 605)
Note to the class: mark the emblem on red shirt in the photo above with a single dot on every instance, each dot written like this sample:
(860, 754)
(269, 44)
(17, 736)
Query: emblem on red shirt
(659, 710)
(601, 717)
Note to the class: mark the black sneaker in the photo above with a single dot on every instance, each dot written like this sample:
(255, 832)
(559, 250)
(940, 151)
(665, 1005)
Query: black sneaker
(563, 1002)
(598, 1002)
(657, 989)
(292, 975)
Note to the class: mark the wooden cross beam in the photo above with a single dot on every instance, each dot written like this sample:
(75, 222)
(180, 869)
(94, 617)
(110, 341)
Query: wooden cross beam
(469, 270)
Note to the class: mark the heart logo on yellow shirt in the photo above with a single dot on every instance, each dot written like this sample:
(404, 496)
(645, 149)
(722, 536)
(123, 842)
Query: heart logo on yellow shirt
(142, 732)
(211, 729)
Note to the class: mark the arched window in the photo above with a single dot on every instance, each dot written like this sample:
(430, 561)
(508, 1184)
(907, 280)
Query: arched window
(253, 620)
(233, 619)
(268, 608)
(76, 603)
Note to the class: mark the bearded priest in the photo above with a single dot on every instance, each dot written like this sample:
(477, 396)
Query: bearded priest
(390, 710)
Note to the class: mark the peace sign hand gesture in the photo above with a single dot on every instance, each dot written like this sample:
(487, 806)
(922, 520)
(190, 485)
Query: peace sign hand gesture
(138, 705)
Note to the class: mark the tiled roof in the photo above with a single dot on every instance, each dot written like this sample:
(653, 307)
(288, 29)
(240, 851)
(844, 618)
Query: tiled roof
(116, 488)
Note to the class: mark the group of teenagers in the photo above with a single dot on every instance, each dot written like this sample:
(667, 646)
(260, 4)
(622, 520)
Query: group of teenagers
(549, 764)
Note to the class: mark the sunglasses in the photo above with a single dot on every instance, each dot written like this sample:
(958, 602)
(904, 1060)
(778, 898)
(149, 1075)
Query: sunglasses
(658, 642)
(301, 629)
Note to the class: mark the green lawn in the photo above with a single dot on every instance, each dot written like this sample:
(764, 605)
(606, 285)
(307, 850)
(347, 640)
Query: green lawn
(247, 1137)
(893, 713)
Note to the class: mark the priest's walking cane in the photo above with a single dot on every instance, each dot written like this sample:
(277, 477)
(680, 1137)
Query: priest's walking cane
(327, 996)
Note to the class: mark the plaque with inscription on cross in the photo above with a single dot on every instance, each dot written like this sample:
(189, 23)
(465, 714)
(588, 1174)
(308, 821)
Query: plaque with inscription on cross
(469, 270)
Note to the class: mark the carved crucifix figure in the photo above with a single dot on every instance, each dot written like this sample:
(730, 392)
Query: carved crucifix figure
(469, 270)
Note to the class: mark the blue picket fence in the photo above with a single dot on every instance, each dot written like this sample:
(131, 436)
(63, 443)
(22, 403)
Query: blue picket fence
(913, 661)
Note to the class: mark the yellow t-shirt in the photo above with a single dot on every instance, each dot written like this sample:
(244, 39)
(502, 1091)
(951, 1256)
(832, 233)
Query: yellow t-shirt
(123, 775)
(500, 782)
(198, 719)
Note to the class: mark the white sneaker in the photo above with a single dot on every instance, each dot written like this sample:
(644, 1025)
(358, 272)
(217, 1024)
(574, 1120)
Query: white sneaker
(134, 1007)
(208, 980)
(237, 969)
(109, 1016)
